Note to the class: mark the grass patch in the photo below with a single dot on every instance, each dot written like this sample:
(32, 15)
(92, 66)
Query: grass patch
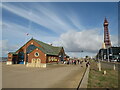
(98, 80)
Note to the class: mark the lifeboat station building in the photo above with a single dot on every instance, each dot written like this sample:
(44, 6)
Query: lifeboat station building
(36, 54)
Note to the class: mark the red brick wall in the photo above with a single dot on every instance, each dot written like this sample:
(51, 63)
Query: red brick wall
(41, 56)
(31, 42)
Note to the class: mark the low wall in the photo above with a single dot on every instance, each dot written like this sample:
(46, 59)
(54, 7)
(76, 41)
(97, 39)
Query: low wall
(9, 63)
(36, 65)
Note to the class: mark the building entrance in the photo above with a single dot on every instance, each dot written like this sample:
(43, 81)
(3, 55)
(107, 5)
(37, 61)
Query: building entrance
(20, 58)
(36, 62)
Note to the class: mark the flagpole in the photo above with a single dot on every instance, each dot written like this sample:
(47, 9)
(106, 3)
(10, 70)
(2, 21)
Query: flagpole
(25, 61)
(29, 28)
(25, 50)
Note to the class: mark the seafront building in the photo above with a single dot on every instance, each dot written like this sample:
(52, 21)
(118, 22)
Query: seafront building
(109, 54)
(36, 54)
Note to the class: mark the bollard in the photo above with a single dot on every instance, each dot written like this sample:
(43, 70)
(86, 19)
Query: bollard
(9, 63)
(104, 72)
(24, 62)
(99, 66)
(114, 67)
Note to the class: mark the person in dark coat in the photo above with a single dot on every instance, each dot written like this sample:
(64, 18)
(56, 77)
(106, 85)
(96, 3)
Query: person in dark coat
(86, 65)
(78, 61)
(75, 62)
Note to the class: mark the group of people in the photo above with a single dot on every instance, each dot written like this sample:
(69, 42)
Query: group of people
(76, 61)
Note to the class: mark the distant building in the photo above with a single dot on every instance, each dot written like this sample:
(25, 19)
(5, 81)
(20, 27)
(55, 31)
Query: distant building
(108, 52)
(112, 53)
(36, 54)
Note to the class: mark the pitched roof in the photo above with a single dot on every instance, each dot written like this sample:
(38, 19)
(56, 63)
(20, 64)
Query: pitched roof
(46, 48)
(13, 53)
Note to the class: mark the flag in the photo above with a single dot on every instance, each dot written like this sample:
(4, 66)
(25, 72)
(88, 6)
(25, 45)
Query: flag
(27, 34)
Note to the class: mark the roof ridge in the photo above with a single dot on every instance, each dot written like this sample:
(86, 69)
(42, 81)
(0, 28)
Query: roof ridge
(46, 43)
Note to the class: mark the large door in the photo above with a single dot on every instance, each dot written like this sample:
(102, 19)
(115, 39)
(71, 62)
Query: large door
(20, 58)
(36, 62)
(14, 60)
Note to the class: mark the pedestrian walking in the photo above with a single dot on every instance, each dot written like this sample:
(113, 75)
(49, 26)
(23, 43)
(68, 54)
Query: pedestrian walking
(72, 61)
(86, 65)
(75, 62)
(68, 62)
(78, 61)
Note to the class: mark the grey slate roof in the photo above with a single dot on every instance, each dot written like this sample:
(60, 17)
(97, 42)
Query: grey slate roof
(48, 49)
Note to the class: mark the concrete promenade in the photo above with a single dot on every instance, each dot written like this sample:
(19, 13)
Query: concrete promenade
(54, 76)
(84, 81)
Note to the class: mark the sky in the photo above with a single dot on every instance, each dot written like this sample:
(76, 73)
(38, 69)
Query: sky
(77, 26)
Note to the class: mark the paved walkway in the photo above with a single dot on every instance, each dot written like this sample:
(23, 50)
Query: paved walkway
(55, 76)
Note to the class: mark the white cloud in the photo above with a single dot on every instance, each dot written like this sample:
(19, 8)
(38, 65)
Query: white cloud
(80, 54)
(16, 31)
(12, 30)
(41, 15)
(74, 18)
(86, 40)
(6, 47)
(114, 40)
(90, 41)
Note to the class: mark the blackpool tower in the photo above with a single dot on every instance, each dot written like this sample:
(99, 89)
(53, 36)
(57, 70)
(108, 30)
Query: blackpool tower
(107, 41)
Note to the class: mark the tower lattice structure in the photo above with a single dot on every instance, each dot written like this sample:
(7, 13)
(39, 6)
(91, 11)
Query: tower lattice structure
(106, 34)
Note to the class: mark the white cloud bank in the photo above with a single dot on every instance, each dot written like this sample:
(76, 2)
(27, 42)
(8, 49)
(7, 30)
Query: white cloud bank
(6, 47)
(90, 41)
(86, 40)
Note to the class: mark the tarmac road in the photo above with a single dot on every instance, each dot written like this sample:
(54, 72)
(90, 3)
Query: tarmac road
(54, 76)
